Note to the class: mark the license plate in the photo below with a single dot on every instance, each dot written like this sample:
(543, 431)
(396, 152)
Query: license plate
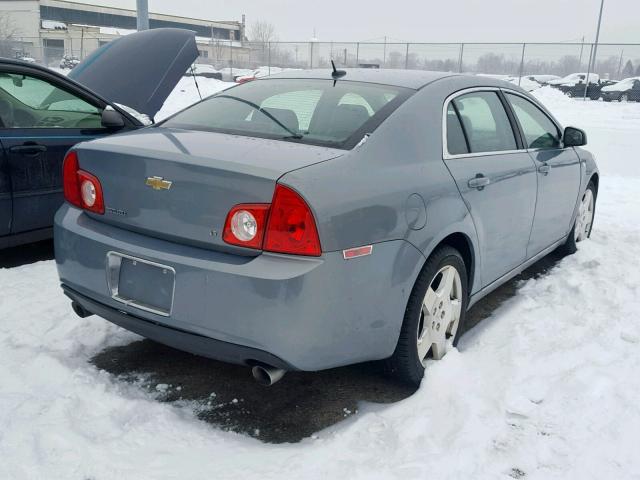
(141, 283)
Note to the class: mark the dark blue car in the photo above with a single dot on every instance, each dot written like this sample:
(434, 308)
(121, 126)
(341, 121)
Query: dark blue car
(43, 114)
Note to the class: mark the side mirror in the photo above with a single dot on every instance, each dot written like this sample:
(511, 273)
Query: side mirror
(574, 137)
(111, 119)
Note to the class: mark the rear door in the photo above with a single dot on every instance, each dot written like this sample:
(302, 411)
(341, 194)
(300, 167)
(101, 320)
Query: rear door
(495, 176)
(40, 120)
(558, 171)
(5, 196)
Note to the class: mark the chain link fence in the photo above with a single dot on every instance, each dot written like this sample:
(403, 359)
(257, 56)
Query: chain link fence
(612, 61)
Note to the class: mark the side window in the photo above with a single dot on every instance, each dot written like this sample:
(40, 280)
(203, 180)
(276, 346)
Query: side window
(539, 131)
(456, 142)
(30, 102)
(485, 122)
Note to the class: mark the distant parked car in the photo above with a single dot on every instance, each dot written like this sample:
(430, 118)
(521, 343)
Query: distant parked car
(258, 73)
(69, 61)
(203, 70)
(574, 79)
(231, 74)
(24, 57)
(526, 83)
(574, 85)
(43, 114)
(542, 79)
(627, 90)
(315, 219)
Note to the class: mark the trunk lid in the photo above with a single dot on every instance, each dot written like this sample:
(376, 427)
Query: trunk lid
(139, 70)
(179, 185)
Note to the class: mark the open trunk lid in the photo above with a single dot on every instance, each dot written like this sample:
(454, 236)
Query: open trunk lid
(179, 185)
(139, 70)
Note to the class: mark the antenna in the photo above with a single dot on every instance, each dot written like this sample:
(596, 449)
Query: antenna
(337, 73)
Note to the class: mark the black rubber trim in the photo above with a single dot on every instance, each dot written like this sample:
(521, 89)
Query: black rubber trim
(177, 338)
(32, 236)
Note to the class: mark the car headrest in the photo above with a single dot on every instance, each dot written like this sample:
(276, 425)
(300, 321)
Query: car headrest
(346, 117)
(285, 116)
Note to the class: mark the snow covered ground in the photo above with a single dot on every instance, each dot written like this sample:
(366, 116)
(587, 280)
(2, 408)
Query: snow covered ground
(546, 388)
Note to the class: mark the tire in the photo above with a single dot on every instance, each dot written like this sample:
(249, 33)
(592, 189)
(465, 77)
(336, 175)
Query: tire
(405, 364)
(624, 97)
(570, 94)
(570, 246)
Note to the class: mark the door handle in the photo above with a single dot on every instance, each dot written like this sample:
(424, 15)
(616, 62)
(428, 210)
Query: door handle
(544, 169)
(28, 149)
(479, 181)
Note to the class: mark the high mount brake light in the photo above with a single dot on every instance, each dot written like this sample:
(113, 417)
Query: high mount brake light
(81, 188)
(284, 226)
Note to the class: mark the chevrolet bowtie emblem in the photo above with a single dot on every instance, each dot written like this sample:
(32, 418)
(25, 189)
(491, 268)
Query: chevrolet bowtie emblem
(158, 183)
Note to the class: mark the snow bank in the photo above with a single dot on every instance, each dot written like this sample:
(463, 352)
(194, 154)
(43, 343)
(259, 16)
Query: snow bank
(546, 387)
(186, 93)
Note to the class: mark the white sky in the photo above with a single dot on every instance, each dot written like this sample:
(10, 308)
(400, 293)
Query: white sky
(420, 20)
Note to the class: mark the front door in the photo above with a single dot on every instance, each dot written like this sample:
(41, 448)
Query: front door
(495, 176)
(558, 174)
(40, 121)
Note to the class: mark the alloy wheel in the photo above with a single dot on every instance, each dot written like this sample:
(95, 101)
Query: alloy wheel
(440, 315)
(585, 217)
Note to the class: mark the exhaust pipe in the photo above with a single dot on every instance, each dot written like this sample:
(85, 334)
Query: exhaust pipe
(267, 375)
(80, 310)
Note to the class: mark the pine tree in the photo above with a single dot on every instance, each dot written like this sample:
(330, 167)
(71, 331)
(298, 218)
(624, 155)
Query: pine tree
(627, 71)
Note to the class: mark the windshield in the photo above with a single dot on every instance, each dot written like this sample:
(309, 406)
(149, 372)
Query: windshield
(317, 112)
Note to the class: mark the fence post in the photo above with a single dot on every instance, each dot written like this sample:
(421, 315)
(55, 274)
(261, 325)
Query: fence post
(357, 54)
(269, 57)
(311, 55)
(586, 80)
(460, 60)
(524, 45)
(406, 58)
(231, 58)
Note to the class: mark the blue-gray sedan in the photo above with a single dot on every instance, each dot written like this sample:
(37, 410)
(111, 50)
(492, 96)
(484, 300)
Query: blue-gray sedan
(316, 219)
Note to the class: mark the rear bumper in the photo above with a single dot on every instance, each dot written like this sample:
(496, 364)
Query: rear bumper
(187, 341)
(305, 313)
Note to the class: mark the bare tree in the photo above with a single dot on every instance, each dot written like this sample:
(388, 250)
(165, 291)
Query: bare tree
(9, 34)
(262, 32)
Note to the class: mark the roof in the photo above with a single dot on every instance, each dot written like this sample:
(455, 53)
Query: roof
(400, 78)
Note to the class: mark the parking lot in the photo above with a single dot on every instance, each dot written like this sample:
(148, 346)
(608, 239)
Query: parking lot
(300, 405)
(542, 353)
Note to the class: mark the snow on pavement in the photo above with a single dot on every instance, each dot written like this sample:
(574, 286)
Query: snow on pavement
(545, 388)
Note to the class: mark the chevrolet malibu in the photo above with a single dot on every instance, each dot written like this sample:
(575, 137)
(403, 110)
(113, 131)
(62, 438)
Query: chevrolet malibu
(315, 219)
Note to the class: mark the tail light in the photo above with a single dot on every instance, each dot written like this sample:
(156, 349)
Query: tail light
(81, 189)
(291, 227)
(285, 226)
(245, 225)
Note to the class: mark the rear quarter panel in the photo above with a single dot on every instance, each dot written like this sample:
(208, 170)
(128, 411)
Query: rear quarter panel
(369, 195)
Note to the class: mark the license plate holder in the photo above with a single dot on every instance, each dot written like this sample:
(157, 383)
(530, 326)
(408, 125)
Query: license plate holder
(141, 283)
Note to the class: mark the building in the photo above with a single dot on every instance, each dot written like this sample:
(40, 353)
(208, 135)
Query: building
(46, 30)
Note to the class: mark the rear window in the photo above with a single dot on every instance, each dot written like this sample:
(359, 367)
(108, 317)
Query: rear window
(316, 112)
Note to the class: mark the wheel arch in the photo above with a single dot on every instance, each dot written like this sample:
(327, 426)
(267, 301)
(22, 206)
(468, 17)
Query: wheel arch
(462, 243)
(595, 179)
